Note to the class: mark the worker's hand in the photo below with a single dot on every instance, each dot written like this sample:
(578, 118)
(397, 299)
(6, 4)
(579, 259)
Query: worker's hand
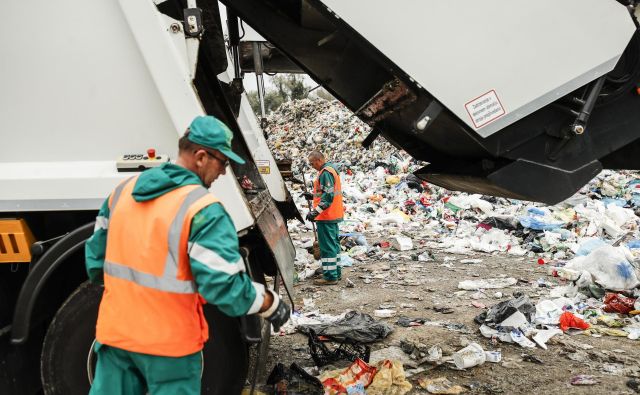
(278, 313)
(312, 215)
(308, 195)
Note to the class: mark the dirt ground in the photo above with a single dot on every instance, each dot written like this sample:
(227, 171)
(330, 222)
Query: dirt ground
(611, 360)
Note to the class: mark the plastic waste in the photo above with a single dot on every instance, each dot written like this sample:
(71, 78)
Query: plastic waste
(584, 379)
(569, 320)
(389, 379)
(616, 303)
(440, 385)
(542, 336)
(402, 243)
(489, 283)
(354, 326)
(355, 379)
(384, 313)
(589, 244)
(515, 320)
(610, 267)
(518, 337)
(503, 310)
(493, 356)
(470, 356)
(294, 380)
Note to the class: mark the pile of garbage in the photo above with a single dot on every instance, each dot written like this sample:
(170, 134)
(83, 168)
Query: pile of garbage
(600, 298)
(590, 243)
(387, 206)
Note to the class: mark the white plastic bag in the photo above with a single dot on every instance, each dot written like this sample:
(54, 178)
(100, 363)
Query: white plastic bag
(609, 266)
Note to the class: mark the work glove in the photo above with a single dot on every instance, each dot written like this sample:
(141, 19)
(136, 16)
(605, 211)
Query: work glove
(278, 313)
(312, 215)
(308, 195)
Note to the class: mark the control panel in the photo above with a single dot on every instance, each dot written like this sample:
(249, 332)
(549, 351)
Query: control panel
(140, 162)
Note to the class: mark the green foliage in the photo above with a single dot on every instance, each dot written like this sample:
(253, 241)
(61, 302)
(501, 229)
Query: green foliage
(287, 87)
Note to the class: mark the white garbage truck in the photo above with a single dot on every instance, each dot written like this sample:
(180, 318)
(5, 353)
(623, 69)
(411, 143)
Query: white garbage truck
(93, 92)
(528, 100)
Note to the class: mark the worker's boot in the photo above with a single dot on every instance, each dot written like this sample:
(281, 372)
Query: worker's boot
(324, 281)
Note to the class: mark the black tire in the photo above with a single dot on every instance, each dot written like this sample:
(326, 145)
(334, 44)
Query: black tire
(226, 355)
(68, 342)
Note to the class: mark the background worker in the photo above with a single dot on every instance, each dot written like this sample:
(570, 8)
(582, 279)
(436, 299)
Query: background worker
(163, 244)
(327, 212)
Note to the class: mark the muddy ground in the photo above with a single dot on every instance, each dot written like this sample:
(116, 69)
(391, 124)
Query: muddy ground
(611, 360)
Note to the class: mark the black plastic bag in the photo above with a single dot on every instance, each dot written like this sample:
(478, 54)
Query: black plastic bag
(501, 311)
(355, 327)
(294, 380)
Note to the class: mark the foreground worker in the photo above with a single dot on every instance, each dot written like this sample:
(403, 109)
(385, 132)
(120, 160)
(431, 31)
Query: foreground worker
(163, 244)
(327, 212)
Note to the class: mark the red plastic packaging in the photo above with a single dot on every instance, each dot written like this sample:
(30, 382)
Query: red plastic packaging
(616, 303)
(568, 320)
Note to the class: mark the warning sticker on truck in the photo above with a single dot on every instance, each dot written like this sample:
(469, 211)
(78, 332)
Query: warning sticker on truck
(485, 109)
(263, 166)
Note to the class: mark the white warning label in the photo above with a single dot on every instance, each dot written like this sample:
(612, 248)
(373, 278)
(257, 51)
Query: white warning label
(485, 109)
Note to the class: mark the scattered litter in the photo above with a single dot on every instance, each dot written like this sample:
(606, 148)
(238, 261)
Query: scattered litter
(570, 320)
(354, 326)
(402, 243)
(440, 385)
(490, 283)
(583, 379)
(384, 313)
(493, 356)
(294, 380)
(470, 356)
(385, 377)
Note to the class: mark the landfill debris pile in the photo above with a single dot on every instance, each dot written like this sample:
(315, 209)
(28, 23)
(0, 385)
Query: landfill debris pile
(399, 232)
(385, 203)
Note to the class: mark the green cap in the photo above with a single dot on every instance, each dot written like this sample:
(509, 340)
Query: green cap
(211, 132)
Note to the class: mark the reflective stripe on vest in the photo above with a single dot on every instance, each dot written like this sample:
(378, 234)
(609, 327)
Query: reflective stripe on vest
(168, 281)
(336, 209)
(150, 303)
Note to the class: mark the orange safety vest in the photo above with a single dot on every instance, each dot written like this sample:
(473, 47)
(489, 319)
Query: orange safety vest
(150, 303)
(336, 209)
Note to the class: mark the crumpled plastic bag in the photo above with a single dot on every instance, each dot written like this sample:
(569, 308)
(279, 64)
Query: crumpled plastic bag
(616, 303)
(354, 327)
(503, 310)
(389, 380)
(569, 320)
(609, 267)
(294, 380)
(539, 219)
(386, 377)
(352, 380)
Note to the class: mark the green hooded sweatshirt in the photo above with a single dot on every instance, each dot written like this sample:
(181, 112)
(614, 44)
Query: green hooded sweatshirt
(220, 276)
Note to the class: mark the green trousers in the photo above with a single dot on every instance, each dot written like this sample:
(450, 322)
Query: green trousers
(131, 373)
(329, 250)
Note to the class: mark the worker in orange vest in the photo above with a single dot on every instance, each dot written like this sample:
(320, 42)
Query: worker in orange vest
(163, 245)
(327, 212)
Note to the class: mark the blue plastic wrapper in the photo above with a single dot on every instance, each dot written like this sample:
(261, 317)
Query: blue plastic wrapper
(589, 245)
(538, 223)
(615, 201)
(633, 244)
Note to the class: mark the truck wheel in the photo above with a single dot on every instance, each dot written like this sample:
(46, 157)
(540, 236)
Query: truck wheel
(68, 361)
(67, 344)
(226, 355)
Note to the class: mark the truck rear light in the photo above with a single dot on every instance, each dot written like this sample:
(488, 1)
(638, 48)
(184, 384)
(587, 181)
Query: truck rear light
(15, 241)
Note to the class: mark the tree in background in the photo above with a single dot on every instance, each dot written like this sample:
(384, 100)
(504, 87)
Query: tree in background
(287, 87)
